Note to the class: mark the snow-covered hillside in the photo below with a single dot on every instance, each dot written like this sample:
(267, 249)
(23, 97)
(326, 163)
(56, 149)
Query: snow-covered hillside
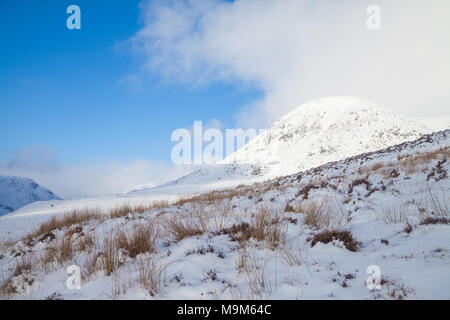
(15, 192)
(313, 134)
(316, 234)
(325, 130)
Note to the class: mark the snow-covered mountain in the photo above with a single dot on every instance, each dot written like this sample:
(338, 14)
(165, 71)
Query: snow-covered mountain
(315, 133)
(325, 130)
(15, 192)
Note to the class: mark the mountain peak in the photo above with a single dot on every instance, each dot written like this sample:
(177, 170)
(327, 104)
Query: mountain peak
(324, 130)
(15, 192)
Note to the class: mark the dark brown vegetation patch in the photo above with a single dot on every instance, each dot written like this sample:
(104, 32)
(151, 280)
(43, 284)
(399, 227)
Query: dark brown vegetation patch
(435, 220)
(329, 235)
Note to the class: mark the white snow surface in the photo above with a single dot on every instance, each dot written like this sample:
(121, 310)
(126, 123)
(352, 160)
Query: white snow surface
(409, 178)
(15, 192)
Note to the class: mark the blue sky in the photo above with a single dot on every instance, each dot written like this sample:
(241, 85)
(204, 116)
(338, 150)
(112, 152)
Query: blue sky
(72, 91)
(91, 111)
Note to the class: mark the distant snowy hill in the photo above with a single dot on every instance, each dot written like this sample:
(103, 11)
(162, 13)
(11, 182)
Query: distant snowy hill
(315, 133)
(15, 192)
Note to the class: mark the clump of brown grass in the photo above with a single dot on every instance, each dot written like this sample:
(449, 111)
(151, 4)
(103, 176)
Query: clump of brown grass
(341, 235)
(47, 258)
(64, 250)
(120, 211)
(412, 163)
(256, 273)
(93, 263)
(59, 252)
(142, 239)
(319, 213)
(126, 209)
(194, 224)
(291, 256)
(214, 196)
(73, 218)
(263, 226)
(109, 257)
(23, 266)
(241, 260)
(151, 274)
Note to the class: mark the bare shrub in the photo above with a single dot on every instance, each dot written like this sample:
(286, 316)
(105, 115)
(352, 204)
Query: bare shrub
(109, 259)
(241, 260)
(291, 256)
(319, 213)
(93, 263)
(211, 274)
(150, 274)
(438, 203)
(393, 214)
(121, 282)
(258, 280)
(64, 250)
(341, 235)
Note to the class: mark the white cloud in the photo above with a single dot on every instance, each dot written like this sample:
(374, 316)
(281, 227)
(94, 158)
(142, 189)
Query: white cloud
(73, 181)
(296, 51)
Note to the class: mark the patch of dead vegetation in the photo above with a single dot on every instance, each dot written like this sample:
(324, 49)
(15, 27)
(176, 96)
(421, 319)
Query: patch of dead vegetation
(263, 226)
(126, 209)
(344, 236)
(320, 214)
(141, 239)
(393, 214)
(435, 220)
(151, 274)
(76, 217)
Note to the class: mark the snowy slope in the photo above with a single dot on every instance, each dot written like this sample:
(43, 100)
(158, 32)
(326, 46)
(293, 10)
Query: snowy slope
(313, 134)
(15, 192)
(395, 202)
